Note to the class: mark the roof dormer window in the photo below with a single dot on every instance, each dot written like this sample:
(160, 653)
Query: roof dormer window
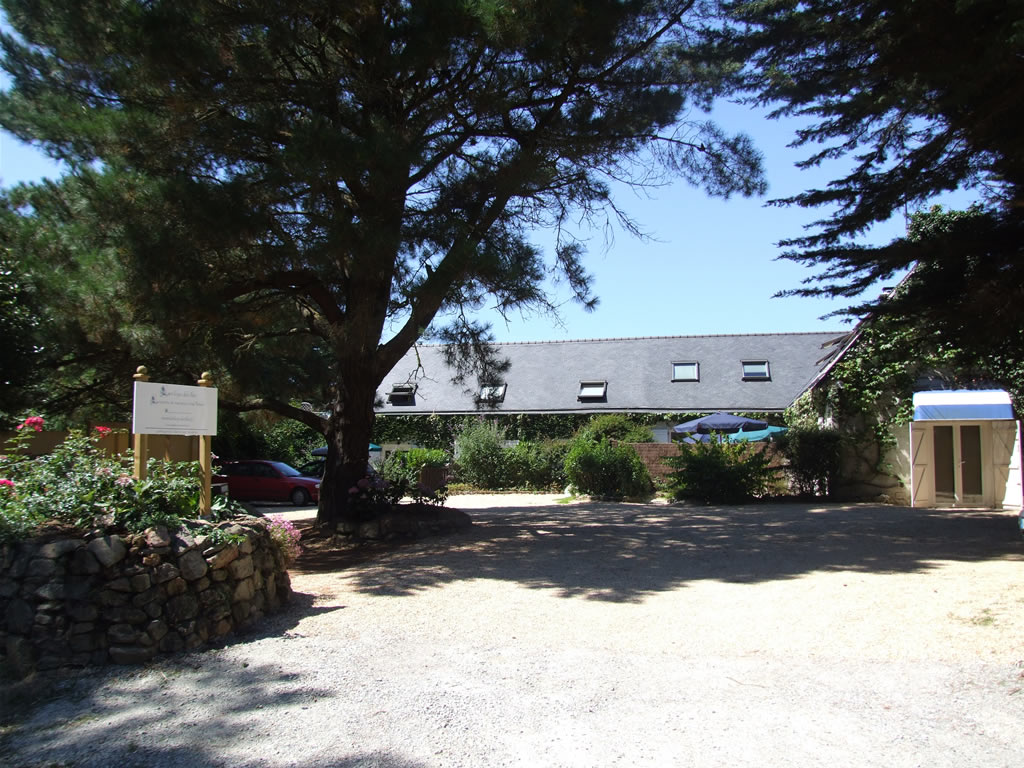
(756, 370)
(402, 394)
(685, 372)
(493, 395)
(592, 390)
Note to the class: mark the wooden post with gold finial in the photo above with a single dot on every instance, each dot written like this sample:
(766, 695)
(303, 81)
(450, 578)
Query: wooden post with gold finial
(140, 443)
(205, 460)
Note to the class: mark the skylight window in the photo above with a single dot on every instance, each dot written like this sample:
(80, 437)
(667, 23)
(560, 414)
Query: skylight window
(592, 390)
(495, 394)
(756, 370)
(685, 372)
(402, 394)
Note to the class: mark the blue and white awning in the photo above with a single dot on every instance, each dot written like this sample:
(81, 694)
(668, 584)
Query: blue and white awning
(962, 405)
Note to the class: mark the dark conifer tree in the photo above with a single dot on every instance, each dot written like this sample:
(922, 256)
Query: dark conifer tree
(290, 192)
(921, 98)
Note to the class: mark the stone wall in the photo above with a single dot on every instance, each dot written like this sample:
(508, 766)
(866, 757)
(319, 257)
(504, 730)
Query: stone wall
(106, 598)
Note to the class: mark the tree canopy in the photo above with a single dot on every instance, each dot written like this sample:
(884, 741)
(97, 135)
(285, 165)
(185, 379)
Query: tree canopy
(919, 99)
(290, 193)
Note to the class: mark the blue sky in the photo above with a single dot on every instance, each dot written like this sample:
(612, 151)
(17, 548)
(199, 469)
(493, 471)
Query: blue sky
(709, 265)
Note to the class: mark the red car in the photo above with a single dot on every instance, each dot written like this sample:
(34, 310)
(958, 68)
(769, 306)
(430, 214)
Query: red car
(258, 480)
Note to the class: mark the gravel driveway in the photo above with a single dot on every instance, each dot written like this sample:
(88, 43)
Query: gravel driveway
(596, 635)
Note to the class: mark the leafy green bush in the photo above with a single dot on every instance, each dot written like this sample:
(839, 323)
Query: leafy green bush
(480, 449)
(484, 461)
(375, 495)
(78, 485)
(431, 431)
(257, 437)
(403, 468)
(536, 466)
(814, 456)
(720, 472)
(605, 469)
(291, 441)
(615, 426)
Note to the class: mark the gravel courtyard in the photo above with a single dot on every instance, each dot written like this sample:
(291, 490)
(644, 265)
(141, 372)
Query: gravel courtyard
(594, 634)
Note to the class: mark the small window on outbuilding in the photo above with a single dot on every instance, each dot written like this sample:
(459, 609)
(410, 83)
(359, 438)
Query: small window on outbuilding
(592, 390)
(493, 395)
(685, 372)
(756, 370)
(402, 394)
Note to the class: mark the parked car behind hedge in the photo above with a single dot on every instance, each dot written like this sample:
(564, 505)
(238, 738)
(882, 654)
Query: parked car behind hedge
(258, 480)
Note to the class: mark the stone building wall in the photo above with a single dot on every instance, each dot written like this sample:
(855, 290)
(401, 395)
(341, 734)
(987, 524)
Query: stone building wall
(107, 598)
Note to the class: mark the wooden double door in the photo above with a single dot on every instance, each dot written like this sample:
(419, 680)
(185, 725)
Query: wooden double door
(962, 464)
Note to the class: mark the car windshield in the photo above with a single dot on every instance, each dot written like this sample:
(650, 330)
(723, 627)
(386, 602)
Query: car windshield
(285, 469)
(313, 468)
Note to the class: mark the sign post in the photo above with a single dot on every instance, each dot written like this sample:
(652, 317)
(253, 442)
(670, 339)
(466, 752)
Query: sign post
(168, 409)
(139, 446)
(205, 460)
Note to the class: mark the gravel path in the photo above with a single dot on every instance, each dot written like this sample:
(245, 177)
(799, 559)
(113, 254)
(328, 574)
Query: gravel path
(597, 635)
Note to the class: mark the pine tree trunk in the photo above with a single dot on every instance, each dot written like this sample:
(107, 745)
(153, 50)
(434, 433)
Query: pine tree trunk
(348, 451)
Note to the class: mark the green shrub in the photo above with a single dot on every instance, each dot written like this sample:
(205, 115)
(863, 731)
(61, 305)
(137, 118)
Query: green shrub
(605, 469)
(480, 449)
(615, 426)
(814, 456)
(403, 468)
(535, 466)
(720, 472)
(253, 436)
(78, 485)
(291, 441)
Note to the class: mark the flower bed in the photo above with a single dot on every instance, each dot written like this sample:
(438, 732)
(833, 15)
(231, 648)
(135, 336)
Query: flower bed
(97, 566)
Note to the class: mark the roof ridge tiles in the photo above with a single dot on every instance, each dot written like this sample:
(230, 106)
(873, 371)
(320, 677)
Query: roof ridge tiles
(655, 338)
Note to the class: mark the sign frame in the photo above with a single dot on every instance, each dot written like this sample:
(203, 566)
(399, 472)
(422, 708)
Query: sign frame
(172, 409)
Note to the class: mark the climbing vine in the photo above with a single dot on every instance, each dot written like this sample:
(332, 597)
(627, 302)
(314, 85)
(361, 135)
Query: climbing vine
(870, 389)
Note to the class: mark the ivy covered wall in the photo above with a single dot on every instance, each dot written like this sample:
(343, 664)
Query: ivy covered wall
(868, 396)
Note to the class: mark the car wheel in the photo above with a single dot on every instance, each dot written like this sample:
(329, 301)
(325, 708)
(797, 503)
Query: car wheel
(300, 497)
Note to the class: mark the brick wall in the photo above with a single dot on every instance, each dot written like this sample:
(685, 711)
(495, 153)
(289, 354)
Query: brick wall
(652, 454)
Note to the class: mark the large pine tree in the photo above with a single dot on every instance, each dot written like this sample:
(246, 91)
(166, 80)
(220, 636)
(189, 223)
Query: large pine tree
(916, 99)
(298, 188)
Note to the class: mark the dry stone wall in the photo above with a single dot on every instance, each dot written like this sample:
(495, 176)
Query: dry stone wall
(108, 598)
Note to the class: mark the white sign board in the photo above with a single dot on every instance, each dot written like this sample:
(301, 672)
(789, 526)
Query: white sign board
(169, 409)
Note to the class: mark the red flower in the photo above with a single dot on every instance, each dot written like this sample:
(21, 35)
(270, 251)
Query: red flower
(36, 422)
(103, 431)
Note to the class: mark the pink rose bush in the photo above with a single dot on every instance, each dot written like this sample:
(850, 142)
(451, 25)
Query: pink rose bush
(286, 535)
(32, 422)
(78, 484)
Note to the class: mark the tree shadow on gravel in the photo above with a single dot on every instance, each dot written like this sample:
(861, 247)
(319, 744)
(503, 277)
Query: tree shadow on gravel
(188, 711)
(116, 715)
(624, 552)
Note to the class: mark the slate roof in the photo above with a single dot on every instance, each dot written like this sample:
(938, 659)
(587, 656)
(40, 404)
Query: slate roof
(545, 377)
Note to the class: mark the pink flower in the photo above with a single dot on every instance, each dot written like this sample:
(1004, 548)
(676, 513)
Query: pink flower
(5, 483)
(124, 480)
(36, 422)
(104, 472)
(103, 431)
